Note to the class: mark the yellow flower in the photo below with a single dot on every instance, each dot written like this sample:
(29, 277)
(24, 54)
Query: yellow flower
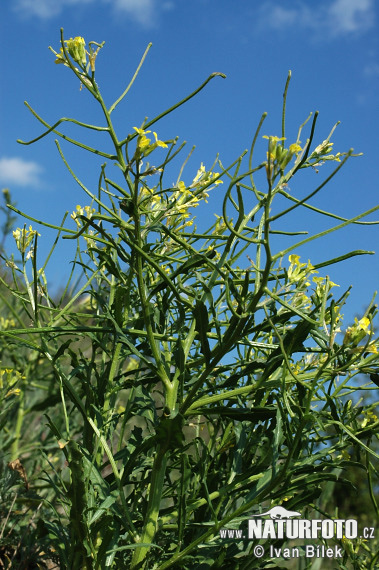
(273, 138)
(370, 418)
(6, 323)
(298, 272)
(156, 200)
(142, 141)
(279, 157)
(322, 151)
(76, 49)
(91, 243)
(357, 331)
(60, 57)
(15, 392)
(294, 259)
(220, 226)
(144, 145)
(301, 300)
(323, 148)
(87, 211)
(344, 455)
(24, 238)
(274, 150)
(9, 377)
(199, 175)
(204, 179)
(321, 284)
(295, 148)
(363, 324)
(158, 142)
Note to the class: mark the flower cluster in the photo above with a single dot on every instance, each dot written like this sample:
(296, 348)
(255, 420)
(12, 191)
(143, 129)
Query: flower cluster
(204, 179)
(323, 284)
(299, 272)
(77, 216)
(220, 225)
(322, 153)
(8, 380)
(76, 49)
(186, 197)
(369, 418)
(87, 212)
(183, 197)
(6, 324)
(144, 144)
(357, 332)
(24, 238)
(279, 157)
(184, 200)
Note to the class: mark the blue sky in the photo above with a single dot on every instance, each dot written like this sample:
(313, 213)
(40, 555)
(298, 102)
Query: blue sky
(332, 48)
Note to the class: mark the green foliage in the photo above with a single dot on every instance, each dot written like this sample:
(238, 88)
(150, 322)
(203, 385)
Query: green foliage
(194, 378)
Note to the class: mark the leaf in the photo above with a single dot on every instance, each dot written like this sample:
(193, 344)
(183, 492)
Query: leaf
(103, 507)
(53, 427)
(200, 313)
(185, 482)
(241, 415)
(118, 305)
(61, 350)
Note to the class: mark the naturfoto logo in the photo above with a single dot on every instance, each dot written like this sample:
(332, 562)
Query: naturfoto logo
(283, 524)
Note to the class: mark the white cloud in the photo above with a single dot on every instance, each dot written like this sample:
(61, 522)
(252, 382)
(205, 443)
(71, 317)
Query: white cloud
(43, 9)
(19, 172)
(279, 17)
(350, 15)
(142, 11)
(334, 18)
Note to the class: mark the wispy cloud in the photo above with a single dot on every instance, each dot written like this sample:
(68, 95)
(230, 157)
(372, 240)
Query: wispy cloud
(371, 69)
(41, 8)
(144, 12)
(351, 16)
(19, 172)
(331, 19)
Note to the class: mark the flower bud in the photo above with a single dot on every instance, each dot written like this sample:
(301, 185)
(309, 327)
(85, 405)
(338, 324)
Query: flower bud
(76, 48)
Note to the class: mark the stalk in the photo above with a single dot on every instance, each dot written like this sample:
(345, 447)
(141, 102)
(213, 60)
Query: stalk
(19, 422)
(151, 518)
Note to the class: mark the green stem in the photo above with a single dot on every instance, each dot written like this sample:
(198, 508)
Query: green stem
(19, 422)
(151, 518)
(112, 108)
(284, 104)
